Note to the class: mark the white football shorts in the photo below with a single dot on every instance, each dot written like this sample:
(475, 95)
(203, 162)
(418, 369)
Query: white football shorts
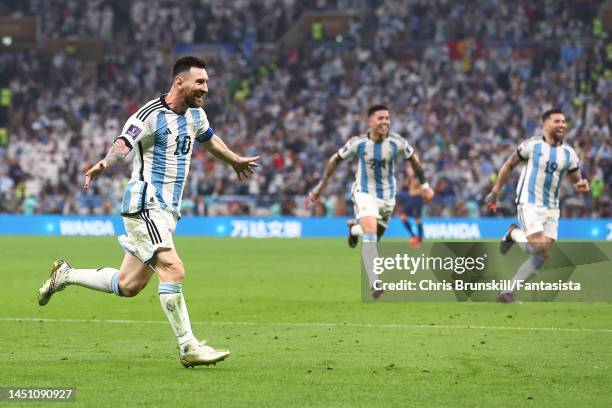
(534, 218)
(367, 205)
(148, 231)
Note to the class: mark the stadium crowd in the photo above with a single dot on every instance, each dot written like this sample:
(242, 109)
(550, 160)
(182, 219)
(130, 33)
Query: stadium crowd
(465, 85)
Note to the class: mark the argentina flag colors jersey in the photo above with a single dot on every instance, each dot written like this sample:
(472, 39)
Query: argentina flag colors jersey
(541, 176)
(376, 166)
(163, 142)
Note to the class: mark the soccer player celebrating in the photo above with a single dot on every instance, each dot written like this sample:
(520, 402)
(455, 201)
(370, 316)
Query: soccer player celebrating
(547, 159)
(163, 133)
(374, 188)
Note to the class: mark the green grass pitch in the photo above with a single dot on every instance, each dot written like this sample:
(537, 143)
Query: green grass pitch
(290, 312)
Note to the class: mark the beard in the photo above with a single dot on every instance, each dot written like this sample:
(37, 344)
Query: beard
(193, 101)
(558, 133)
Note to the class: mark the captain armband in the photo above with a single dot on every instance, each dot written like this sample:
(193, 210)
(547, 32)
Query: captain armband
(205, 136)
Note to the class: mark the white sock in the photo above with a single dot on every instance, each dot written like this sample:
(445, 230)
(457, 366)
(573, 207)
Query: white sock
(369, 251)
(103, 279)
(520, 238)
(356, 230)
(526, 271)
(173, 303)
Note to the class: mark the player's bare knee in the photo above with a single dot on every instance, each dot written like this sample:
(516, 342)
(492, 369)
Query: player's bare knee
(169, 266)
(177, 272)
(369, 228)
(542, 250)
(171, 270)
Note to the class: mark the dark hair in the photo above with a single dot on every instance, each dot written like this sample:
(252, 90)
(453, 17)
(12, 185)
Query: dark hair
(375, 108)
(185, 63)
(551, 112)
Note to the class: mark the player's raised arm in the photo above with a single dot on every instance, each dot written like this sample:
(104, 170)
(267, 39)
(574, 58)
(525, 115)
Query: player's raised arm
(426, 191)
(502, 177)
(118, 151)
(330, 168)
(243, 166)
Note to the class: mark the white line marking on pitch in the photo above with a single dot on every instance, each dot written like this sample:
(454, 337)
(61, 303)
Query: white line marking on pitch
(312, 324)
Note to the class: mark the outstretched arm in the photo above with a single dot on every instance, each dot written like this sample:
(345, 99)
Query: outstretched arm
(243, 166)
(330, 168)
(118, 151)
(426, 190)
(502, 177)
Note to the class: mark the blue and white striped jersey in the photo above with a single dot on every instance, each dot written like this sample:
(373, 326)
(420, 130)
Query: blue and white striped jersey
(376, 169)
(163, 141)
(541, 176)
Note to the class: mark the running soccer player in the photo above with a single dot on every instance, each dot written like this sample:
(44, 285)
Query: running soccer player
(163, 133)
(411, 205)
(374, 188)
(547, 159)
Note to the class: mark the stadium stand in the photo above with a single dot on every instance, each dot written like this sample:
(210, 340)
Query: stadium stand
(465, 84)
